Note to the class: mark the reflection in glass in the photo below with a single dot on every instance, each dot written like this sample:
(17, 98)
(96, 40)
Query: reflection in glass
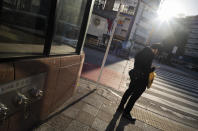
(23, 27)
(68, 23)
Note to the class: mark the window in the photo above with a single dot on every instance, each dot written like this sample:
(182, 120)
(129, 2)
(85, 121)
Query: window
(23, 25)
(28, 27)
(68, 24)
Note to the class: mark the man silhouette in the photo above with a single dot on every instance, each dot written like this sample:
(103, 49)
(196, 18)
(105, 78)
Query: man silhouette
(139, 79)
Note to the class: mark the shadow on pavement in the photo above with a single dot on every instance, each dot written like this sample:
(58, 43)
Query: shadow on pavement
(122, 123)
(95, 57)
(63, 109)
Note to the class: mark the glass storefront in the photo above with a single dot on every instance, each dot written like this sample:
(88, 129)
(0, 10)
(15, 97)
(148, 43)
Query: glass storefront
(68, 24)
(23, 25)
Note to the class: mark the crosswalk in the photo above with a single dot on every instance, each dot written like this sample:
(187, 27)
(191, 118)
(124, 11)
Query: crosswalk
(175, 95)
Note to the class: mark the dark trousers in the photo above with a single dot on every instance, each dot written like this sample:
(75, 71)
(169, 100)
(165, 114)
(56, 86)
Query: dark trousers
(134, 92)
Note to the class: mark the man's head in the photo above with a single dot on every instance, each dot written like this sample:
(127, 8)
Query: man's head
(155, 48)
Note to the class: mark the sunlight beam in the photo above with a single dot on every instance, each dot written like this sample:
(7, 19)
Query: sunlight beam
(170, 9)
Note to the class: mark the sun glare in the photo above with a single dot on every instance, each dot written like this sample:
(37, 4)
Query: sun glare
(170, 9)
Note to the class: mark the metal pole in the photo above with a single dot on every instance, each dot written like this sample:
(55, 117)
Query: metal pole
(109, 43)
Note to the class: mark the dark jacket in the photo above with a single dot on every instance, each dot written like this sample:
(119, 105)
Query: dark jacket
(142, 65)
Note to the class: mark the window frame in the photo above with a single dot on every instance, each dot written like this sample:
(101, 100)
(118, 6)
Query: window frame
(51, 31)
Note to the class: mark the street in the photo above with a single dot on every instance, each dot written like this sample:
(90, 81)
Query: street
(172, 95)
(66, 65)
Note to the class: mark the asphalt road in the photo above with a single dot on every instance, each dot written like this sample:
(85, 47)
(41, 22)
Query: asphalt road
(95, 57)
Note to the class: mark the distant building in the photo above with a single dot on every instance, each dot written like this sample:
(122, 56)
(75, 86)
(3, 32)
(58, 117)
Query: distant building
(128, 6)
(142, 27)
(191, 48)
(97, 28)
(126, 18)
(103, 17)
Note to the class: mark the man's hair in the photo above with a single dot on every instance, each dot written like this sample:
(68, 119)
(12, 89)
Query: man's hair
(155, 46)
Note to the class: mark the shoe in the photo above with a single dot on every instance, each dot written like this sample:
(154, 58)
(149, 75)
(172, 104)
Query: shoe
(128, 117)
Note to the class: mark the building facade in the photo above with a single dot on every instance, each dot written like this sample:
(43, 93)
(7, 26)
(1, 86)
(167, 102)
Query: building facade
(143, 24)
(191, 47)
(107, 9)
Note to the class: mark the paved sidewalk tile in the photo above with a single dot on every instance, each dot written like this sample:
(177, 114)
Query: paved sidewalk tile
(71, 112)
(99, 124)
(93, 100)
(77, 126)
(85, 118)
(45, 127)
(59, 122)
(104, 116)
(109, 108)
(90, 109)
(97, 112)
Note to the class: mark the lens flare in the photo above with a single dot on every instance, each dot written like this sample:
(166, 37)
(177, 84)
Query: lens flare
(170, 9)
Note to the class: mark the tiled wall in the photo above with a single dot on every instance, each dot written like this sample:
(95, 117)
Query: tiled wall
(61, 80)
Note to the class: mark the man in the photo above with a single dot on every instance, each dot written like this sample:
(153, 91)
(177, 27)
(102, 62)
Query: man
(139, 79)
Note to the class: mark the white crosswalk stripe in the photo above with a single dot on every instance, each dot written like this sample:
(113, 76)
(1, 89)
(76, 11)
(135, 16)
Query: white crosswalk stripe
(180, 86)
(171, 89)
(175, 91)
(176, 98)
(179, 78)
(169, 103)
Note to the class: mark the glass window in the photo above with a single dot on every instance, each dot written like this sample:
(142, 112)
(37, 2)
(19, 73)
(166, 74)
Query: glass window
(23, 27)
(68, 24)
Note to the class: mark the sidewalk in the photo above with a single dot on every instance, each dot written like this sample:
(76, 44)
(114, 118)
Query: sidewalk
(93, 109)
(109, 77)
